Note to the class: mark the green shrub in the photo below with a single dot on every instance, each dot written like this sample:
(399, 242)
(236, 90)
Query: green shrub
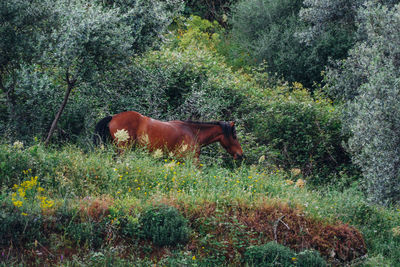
(86, 233)
(164, 226)
(270, 254)
(310, 258)
(266, 29)
(19, 228)
(298, 131)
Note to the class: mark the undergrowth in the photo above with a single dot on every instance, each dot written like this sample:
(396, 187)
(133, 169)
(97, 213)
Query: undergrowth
(66, 206)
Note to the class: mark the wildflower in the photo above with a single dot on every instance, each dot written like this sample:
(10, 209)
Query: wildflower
(24, 214)
(194, 257)
(17, 203)
(122, 135)
(396, 231)
(294, 259)
(295, 171)
(300, 183)
(157, 154)
(18, 145)
(289, 182)
(184, 147)
(170, 165)
(261, 159)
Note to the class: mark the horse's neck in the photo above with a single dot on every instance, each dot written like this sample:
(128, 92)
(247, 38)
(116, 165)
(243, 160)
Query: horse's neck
(207, 133)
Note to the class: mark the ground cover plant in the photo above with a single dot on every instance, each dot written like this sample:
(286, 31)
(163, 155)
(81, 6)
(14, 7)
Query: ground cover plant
(67, 206)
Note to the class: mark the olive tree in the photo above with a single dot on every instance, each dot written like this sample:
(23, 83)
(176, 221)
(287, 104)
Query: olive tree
(52, 50)
(89, 41)
(369, 81)
(22, 24)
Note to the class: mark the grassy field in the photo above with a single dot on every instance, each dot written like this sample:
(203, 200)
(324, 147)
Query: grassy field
(71, 207)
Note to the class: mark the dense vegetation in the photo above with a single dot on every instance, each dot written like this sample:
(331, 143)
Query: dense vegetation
(312, 85)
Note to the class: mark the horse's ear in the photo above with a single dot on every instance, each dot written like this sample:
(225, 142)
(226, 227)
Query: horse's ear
(232, 124)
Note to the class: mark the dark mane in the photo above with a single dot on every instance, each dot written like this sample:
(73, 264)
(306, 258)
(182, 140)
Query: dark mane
(226, 127)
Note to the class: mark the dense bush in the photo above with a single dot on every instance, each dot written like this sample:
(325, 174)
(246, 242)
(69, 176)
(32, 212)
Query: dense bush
(164, 226)
(300, 132)
(90, 234)
(274, 254)
(209, 9)
(308, 258)
(19, 228)
(267, 31)
(270, 254)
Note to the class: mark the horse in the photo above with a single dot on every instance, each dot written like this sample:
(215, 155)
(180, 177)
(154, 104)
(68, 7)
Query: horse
(180, 137)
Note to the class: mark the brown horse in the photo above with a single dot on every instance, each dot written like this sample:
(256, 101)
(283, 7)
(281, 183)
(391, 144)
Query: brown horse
(131, 127)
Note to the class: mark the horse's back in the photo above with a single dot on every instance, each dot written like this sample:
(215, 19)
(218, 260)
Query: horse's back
(130, 121)
(152, 132)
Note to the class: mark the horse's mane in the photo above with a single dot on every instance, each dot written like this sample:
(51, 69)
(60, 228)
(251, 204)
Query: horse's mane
(227, 129)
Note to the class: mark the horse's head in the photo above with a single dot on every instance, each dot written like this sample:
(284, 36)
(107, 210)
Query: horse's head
(229, 140)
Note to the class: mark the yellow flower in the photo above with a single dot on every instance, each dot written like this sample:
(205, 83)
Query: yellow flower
(194, 257)
(17, 203)
(294, 259)
(24, 214)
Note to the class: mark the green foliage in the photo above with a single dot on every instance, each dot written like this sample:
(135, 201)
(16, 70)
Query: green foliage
(327, 16)
(270, 254)
(210, 10)
(299, 132)
(308, 258)
(147, 19)
(197, 32)
(274, 254)
(369, 81)
(18, 228)
(89, 234)
(266, 30)
(164, 226)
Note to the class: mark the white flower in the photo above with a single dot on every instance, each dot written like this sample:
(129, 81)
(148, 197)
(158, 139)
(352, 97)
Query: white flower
(158, 154)
(121, 135)
(184, 147)
(18, 145)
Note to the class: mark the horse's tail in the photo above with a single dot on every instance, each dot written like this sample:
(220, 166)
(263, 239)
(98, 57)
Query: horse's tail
(102, 132)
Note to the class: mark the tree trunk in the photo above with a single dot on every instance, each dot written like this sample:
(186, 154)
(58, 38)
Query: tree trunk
(70, 86)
